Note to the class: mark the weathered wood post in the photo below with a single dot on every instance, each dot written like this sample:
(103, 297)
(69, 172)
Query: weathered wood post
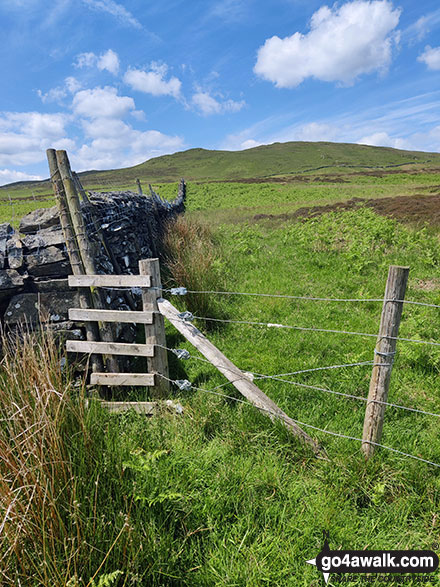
(384, 357)
(84, 246)
(92, 332)
(155, 333)
(139, 187)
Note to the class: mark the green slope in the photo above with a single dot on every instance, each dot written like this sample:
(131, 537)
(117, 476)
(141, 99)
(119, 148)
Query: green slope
(259, 162)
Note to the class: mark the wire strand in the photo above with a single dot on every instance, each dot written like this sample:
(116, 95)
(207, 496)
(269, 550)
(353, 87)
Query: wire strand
(307, 298)
(310, 329)
(323, 430)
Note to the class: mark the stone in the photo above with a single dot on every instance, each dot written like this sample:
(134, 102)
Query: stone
(5, 230)
(39, 220)
(44, 238)
(32, 308)
(10, 279)
(14, 250)
(49, 261)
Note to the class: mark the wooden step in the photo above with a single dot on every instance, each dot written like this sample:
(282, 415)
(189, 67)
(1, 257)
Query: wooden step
(110, 316)
(123, 379)
(109, 280)
(110, 348)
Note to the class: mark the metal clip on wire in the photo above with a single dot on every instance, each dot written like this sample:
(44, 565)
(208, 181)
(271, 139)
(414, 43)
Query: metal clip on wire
(181, 353)
(183, 384)
(186, 316)
(178, 291)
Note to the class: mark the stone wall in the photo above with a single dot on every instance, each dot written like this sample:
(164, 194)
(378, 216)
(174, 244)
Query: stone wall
(124, 227)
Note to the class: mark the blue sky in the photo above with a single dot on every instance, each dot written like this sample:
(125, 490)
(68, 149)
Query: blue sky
(118, 82)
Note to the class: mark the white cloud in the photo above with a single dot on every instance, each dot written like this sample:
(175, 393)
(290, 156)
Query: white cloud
(343, 43)
(102, 103)
(431, 57)
(85, 60)
(316, 131)
(105, 61)
(109, 61)
(207, 104)
(382, 139)
(25, 136)
(153, 81)
(71, 85)
(114, 9)
(113, 143)
(11, 175)
(249, 144)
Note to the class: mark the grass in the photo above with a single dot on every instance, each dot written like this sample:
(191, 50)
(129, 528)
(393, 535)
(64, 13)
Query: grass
(221, 495)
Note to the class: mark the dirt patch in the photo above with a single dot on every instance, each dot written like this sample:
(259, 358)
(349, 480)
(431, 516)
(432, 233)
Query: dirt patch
(414, 209)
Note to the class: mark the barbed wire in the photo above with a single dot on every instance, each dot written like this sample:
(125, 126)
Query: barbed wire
(306, 425)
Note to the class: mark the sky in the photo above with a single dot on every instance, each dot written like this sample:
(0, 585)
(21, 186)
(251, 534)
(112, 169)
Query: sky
(118, 82)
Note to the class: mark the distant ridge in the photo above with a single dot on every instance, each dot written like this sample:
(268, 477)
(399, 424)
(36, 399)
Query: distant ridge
(265, 161)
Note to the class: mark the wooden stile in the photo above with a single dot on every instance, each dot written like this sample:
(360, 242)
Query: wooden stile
(384, 357)
(110, 348)
(122, 316)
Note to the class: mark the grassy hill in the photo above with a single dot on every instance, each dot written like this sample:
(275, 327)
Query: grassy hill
(266, 161)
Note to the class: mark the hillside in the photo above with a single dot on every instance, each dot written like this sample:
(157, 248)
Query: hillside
(259, 162)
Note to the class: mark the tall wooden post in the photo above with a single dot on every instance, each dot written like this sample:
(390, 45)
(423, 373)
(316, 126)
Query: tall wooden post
(155, 333)
(384, 357)
(92, 332)
(139, 187)
(84, 248)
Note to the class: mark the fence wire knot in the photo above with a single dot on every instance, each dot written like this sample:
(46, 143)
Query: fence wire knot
(178, 291)
(186, 316)
(380, 354)
(183, 384)
(181, 353)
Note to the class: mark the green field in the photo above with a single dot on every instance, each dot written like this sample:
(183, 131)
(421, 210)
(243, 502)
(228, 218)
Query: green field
(221, 495)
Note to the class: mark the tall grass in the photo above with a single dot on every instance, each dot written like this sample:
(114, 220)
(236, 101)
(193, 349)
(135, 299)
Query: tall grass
(194, 260)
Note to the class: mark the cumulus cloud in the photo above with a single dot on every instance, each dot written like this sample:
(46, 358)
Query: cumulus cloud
(249, 144)
(109, 61)
(343, 43)
(58, 94)
(25, 136)
(105, 61)
(431, 57)
(153, 81)
(102, 103)
(207, 104)
(11, 175)
(114, 143)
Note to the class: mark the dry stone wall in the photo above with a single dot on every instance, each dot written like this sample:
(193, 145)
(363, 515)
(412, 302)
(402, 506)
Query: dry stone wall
(124, 227)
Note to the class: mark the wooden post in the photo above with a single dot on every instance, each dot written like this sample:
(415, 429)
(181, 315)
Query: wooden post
(85, 252)
(92, 332)
(138, 183)
(384, 357)
(155, 333)
(250, 391)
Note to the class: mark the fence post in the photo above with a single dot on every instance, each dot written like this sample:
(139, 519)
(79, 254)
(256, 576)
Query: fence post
(384, 357)
(155, 333)
(84, 245)
(139, 187)
(92, 332)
